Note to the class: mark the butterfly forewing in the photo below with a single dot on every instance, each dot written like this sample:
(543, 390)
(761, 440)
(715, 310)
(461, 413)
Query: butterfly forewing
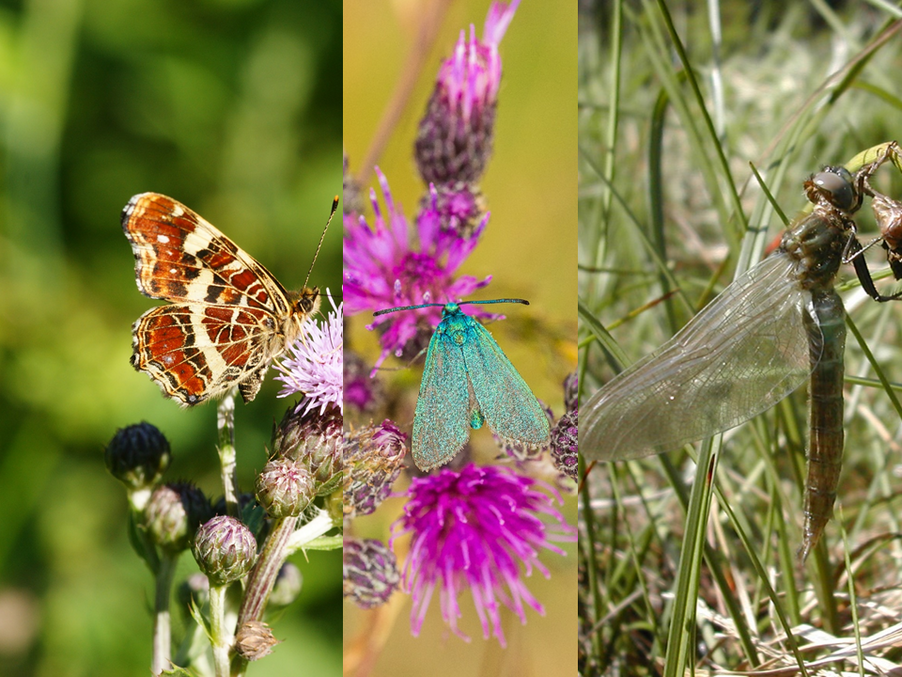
(742, 354)
(230, 316)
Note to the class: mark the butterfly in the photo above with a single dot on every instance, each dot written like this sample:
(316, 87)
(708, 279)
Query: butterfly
(228, 317)
(467, 382)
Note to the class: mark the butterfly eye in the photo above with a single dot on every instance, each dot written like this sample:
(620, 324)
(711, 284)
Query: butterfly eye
(835, 184)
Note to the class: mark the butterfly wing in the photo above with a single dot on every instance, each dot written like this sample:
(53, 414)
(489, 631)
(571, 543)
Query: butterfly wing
(441, 420)
(197, 352)
(180, 256)
(509, 406)
(231, 316)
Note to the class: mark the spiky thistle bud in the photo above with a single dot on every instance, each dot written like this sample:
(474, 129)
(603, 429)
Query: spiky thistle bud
(225, 549)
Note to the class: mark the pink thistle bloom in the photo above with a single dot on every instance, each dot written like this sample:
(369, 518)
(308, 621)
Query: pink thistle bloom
(313, 365)
(475, 529)
(390, 265)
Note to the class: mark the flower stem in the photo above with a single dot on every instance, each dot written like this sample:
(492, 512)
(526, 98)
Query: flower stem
(162, 632)
(263, 576)
(220, 638)
(225, 422)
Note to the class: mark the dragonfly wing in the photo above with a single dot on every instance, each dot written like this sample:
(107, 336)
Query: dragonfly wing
(441, 419)
(743, 353)
(508, 404)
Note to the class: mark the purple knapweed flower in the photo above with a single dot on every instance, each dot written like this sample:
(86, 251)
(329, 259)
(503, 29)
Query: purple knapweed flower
(314, 363)
(476, 529)
(394, 265)
(454, 140)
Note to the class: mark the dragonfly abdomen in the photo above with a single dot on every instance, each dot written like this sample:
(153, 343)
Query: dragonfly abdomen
(825, 414)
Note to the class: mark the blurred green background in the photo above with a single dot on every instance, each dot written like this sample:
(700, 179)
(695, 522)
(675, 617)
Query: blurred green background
(529, 248)
(232, 107)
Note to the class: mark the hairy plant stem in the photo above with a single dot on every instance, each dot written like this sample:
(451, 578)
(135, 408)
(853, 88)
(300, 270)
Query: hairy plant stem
(162, 631)
(220, 638)
(225, 423)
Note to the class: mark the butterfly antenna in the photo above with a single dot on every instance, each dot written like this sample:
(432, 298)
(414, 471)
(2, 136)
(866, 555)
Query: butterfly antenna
(321, 238)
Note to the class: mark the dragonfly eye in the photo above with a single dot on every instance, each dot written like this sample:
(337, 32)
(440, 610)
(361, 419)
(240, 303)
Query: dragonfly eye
(835, 184)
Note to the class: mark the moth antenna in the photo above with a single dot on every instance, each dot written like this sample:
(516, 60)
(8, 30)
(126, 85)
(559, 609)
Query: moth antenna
(321, 238)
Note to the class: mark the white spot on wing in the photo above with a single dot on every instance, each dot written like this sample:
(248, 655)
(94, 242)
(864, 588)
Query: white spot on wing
(163, 239)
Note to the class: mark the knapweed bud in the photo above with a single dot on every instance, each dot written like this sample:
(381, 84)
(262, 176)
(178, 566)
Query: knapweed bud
(225, 549)
(173, 514)
(284, 487)
(313, 440)
(138, 455)
(564, 444)
(373, 457)
(369, 572)
(287, 587)
(254, 640)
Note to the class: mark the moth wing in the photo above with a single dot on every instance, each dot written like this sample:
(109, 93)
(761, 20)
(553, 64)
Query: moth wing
(441, 420)
(507, 402)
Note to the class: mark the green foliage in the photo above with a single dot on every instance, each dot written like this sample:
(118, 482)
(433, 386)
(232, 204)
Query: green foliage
(232, 107)
(671, 115)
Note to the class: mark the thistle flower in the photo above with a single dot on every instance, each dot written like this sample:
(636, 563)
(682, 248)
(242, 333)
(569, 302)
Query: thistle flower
(454, 140)
(475, 529)
(313, 366)
(391, 265)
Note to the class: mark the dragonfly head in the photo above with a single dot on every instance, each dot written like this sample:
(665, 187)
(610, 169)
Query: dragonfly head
(836, 186)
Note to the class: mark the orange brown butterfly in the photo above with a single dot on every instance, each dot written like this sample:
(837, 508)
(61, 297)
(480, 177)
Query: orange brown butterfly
(228, 317)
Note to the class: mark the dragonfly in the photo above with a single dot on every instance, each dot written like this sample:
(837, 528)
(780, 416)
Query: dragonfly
(774, 327)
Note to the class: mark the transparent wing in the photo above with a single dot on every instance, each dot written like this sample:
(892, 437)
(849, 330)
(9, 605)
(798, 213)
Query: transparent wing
(742, 354)
(507, 403)
(441, 424)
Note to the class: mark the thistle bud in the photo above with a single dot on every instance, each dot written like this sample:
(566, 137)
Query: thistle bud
(225, 550)
(313, 440)
(369, 572)
(138, 455)
(173, 513)
(284, 488)
(456, 207)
